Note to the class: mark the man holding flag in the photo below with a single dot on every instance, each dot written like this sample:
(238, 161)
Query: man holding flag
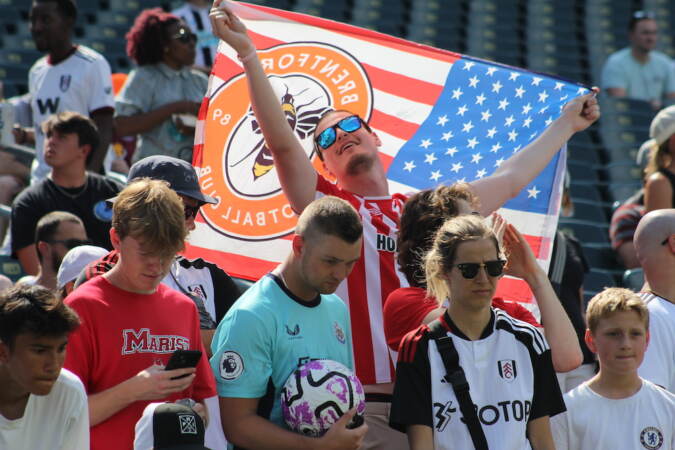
(348, 149)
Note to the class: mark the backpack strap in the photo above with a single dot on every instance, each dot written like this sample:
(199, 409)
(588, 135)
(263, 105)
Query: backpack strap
(456, 377)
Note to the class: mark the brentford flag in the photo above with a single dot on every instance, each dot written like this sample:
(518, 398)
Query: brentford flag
(442, 117)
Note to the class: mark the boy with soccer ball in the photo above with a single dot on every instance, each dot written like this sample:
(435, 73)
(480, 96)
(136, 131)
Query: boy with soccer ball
(616, 408)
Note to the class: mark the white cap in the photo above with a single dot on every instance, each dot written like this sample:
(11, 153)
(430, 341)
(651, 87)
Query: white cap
(663, 125)
(75, 260)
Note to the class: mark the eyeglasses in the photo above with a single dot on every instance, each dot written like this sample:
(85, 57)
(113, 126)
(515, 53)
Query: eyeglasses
(70, 243)
(643, 15)
(190, 211)
(327, 137)
(185, 36)
(470, 270)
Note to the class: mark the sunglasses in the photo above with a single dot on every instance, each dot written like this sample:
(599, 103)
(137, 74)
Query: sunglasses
(185, 36)
(190, 211)
(643, 15)
(71, 243)
(327, 137)
(493, 268)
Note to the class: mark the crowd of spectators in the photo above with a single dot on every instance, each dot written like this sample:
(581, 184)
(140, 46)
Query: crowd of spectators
(106, 282)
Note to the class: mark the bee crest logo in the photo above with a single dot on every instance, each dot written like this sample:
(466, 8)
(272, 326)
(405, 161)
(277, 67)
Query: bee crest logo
(309, 78)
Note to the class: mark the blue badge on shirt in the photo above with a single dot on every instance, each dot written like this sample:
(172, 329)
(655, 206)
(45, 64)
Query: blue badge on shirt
(102, 211)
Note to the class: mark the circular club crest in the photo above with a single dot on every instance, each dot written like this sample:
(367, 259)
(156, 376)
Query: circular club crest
(309, 79)
(651, 438)
(231, 365)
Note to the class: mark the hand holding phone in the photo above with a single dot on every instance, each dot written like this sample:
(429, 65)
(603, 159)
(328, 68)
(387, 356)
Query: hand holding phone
(181, 359)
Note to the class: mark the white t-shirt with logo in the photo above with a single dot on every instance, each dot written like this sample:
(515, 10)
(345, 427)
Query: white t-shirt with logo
(56, 421)
(645, 420)
(659, 363)
(81, 83)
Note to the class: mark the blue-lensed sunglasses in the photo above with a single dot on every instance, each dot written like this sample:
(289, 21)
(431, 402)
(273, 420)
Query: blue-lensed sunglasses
(327, 137)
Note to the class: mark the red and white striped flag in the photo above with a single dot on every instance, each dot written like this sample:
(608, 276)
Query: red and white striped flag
(399, 88)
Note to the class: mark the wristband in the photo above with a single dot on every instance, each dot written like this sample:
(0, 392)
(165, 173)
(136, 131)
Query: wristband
(247, 58)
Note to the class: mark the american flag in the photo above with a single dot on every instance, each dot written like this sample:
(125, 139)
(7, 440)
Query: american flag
(442, 118)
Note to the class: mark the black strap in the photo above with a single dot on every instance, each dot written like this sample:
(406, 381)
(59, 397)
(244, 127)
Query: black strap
(456, 377)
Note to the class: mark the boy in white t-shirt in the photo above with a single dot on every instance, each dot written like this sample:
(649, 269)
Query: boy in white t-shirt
(616, 408)
(42, 405)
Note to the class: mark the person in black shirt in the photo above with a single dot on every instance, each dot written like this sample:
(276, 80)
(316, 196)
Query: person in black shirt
(69, 187)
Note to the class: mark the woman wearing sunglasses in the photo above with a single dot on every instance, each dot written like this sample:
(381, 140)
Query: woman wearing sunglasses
(407, 308)
(507, 363)
(161, 98)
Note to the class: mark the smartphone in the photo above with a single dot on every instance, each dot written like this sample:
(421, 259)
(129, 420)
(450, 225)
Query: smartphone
(181, 359)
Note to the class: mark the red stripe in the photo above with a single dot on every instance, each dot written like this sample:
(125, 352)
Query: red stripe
(403, 86)
(235, 265)
(354, 31)
(360, 320)
(393, 125)
(535, 243)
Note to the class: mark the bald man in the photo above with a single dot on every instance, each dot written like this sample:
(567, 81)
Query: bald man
(655, 246)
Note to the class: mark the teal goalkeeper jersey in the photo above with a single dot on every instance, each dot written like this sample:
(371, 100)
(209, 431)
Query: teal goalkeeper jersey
(268, 333)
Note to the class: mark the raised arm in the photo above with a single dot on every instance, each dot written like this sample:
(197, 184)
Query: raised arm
(523, 167)
(296, 173)
(565, 351)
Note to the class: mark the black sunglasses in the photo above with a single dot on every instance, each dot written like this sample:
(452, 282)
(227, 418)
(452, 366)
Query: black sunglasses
(70, 243)
(190, 211)
(470, 270)
(185, 36)
(327, 137)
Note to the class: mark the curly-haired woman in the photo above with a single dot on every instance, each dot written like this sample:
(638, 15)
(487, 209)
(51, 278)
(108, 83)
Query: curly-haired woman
(161, 97)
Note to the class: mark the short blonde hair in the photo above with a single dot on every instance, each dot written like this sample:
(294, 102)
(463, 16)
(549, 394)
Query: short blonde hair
(613, 300)
(149, 210)
(440, 258)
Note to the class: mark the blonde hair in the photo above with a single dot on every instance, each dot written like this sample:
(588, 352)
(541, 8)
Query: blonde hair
(149, 210)
(613, 300)
(440, 258)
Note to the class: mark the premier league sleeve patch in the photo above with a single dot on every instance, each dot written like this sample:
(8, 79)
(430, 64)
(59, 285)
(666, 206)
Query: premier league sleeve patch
(231, 366)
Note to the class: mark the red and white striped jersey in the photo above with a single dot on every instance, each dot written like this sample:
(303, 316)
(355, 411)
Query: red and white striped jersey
(374, 276)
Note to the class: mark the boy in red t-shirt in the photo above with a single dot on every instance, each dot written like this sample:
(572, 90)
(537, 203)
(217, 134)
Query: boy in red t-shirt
(131, 324)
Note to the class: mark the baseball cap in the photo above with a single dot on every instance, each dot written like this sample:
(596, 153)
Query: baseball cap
(169, 426)
(661, 128)
(75, 260)
(180, 175)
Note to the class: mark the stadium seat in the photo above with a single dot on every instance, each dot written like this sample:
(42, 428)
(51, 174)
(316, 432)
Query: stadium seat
(586, 191)
(633, 279)
(621, 191)
(586, 232)
(11, 268)
(624, 172)
(589, 211)
(242, 284)
(600, 256)
(597, 280)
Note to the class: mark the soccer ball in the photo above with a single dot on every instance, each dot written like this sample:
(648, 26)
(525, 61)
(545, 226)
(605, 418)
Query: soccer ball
(317, 394)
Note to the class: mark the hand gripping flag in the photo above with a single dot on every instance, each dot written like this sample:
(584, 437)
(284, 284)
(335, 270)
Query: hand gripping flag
(442, 118)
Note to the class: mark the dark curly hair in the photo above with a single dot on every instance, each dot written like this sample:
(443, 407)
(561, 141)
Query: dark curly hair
(423, 214)
(147, 37)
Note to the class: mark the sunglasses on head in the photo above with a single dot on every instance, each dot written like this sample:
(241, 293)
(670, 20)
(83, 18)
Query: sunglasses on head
(190, 211)
(185, 36)
(493, 268)
(71, 243)
(327, 137)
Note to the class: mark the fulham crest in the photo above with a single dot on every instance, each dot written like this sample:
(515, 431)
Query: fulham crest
(507, 369)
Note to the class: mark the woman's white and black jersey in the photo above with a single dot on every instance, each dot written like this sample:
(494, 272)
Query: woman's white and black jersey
(511, 379)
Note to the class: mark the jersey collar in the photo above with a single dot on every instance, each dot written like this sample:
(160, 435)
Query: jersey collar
(309, 304)
(449, 325)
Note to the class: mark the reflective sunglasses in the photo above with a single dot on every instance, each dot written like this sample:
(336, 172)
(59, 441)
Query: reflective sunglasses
(327, 137)
(190, 211)
(185, 36)
(70, 243)
(643, 15)
(470, 270)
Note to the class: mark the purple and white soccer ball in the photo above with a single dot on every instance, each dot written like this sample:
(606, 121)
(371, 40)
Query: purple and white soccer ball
(318, 393)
